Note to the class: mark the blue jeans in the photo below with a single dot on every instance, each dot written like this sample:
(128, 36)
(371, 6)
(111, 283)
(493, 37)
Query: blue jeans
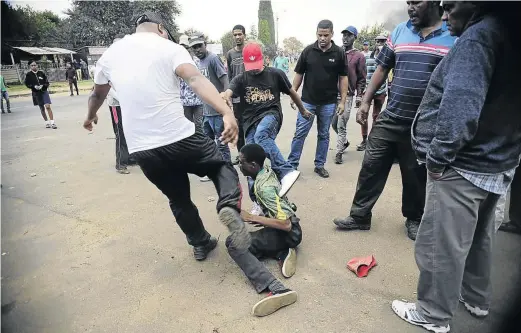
(213, 126)
(264, 135)
(324, 115)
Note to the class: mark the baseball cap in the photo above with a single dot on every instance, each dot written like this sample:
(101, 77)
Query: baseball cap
(366, 43)
(380, 37)
(252, 56)
(195, 40)
(183, 40)
(352, 30)
(153, 17)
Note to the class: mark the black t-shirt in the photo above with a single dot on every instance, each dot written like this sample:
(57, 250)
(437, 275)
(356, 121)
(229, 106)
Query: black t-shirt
(321, 72)
(261, 94)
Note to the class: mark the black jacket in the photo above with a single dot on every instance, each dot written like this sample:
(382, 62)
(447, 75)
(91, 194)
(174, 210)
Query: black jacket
(36, 79)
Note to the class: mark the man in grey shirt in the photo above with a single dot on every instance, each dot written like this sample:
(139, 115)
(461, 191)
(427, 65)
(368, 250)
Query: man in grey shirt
(213, 69)
(236, 67)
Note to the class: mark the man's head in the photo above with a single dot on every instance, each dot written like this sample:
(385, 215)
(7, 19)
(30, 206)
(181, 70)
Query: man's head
(198, 46)
(380, 40)
(153, 22)
(253, 58)
(239, 34)
(251, 160)
(349, 35)
(324, 34)
(423, 13)
(365, 47)
(458, 14)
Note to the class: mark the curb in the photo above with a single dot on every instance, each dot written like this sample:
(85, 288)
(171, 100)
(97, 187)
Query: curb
(50, 92)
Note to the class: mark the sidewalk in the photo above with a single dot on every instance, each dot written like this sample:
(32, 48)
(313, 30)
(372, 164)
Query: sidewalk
(16, 91)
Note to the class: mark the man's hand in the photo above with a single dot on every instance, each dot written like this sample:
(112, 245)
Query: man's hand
(293, 106)
(230, 133)
(306, 114)
(358, 101)
(87, 124)
(340, 108)
(362, 113)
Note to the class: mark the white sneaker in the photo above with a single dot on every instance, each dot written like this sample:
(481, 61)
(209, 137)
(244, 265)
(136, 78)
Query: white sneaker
(289, 264)
(408, 312)
(287, 182)
(474, 310)
(205, 179)
(256, 210)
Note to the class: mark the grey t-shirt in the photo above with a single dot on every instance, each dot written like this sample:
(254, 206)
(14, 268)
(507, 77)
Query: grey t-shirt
(235, 66)
(213, 68)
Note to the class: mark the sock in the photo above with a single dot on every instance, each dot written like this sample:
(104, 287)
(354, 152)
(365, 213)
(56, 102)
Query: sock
(52, 122)
(276, 286)
(364, 138)
(47, 122)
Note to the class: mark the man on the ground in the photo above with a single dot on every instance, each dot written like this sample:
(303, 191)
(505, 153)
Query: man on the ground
(413, 49)
(213, 69)
(323, 64)
(235, 65)
(468, 132)
(356, 73)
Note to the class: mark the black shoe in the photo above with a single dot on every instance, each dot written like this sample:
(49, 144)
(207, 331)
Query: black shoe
(350, 223)
(201, 252)
(511, 227)
(322, 172)
(3, 111)
(338, 158)
(72, 95)
(8, 111)
(412, 228)
(361, 146)
(346, 145)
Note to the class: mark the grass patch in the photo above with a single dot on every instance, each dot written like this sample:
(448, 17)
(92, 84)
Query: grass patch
(19, 89)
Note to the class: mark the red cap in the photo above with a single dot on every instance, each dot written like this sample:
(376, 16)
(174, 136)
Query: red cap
(252, 56)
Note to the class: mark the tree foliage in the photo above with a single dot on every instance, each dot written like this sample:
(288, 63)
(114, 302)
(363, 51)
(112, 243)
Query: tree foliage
(254, 33)
(264, 32)
(98, 22)
(227, 42)
(292, 45)
(266, 14)
(368, 34)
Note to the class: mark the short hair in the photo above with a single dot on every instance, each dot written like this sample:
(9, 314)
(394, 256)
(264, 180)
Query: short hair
(239, 27)
(254, 153)
(325, 24)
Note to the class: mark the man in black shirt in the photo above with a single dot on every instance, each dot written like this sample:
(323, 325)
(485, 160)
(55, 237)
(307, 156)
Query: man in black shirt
(236, 67)
(260, 88)
(323, 63)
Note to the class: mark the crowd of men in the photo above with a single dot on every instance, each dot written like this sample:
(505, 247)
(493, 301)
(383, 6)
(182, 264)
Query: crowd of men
(449, 122)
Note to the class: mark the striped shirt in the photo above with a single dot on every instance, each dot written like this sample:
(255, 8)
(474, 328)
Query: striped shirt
(371, 67)
(413, 59)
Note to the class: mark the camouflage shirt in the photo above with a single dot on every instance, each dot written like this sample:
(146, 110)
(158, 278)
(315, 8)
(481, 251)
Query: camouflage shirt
(267, 188)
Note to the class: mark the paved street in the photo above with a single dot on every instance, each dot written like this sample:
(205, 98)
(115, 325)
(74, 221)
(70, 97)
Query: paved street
(85, 249)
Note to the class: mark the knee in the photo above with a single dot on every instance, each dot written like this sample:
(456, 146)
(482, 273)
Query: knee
(47, 107)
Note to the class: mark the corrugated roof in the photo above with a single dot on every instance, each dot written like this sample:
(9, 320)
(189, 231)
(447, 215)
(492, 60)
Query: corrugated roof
(94, 50)
(44, 50)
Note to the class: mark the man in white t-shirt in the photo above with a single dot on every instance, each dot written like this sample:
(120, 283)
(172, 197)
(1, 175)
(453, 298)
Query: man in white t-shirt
(159, 136)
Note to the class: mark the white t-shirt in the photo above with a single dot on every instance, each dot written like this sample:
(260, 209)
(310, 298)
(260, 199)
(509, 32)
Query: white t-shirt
(141, 68)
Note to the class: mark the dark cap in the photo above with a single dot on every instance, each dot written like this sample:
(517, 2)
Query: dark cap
(153, 17)
(196, 40)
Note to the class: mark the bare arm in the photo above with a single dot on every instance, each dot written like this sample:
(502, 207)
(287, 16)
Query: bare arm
(378, 78)
(297, 81)
(284, 225)
(96, 99)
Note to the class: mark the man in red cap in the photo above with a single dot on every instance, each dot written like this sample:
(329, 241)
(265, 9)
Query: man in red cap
(260, 87)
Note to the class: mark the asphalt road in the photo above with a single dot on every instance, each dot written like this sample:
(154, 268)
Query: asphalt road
(85, 249)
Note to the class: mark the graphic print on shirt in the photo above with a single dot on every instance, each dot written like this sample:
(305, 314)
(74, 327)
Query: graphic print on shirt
(255, 95)
(236, 65)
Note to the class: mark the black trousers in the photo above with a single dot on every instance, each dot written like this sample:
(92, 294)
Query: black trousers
(238, 109)
(515, 198)
(75, 83)
(122, 155)
(389, 139)
(168, 167)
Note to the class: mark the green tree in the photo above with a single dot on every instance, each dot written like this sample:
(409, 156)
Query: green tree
(264, 32)
(292, 45)
(227, 42)
(266, 14)
(98, 22)
(368, 34)
(254, 34)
